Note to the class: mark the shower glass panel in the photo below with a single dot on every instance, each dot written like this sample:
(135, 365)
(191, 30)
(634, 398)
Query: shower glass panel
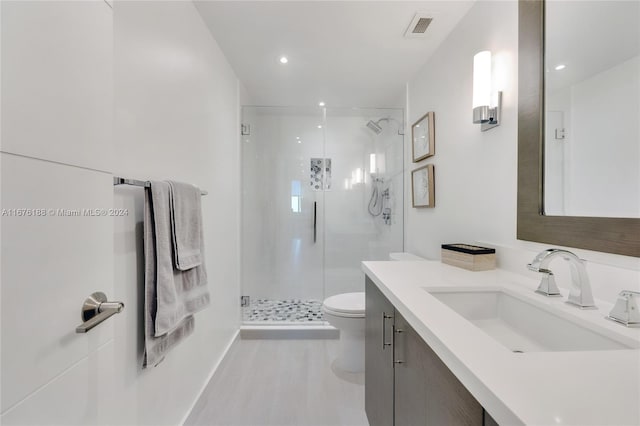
(322, 190)
(364, 217)
(282, 239)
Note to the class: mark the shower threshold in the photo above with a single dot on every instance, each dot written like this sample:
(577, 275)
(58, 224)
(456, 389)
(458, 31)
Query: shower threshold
(285, 319)
(280, 312)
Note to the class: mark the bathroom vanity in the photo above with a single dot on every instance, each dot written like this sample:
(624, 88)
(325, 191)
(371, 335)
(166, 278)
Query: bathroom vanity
(449, 346)
(410, 384)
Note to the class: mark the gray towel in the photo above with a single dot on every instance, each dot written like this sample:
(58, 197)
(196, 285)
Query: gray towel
(156, 347)
(171, 296)
(186, 223)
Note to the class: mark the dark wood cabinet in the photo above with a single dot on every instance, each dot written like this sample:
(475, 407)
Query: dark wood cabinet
(406, 383)
(378, 357)
(426, 391)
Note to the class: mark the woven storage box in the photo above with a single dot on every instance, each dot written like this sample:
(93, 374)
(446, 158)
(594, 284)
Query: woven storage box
(473, 258)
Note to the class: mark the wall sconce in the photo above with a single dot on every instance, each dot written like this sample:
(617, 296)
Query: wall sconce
(485, 112)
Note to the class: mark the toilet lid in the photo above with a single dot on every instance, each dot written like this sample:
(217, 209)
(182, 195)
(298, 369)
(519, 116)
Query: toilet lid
(348, 303)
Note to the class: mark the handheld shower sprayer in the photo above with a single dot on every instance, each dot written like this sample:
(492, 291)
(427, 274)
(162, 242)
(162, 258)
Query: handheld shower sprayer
(376, 204)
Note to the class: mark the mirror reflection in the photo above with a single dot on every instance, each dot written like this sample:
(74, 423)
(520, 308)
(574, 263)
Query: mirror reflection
(592, 109)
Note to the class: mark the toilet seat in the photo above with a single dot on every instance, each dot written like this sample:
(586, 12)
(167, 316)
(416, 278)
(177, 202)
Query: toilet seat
(348, 305)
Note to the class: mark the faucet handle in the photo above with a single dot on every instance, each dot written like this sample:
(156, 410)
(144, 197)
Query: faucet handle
(548, 286)
(535, 267)
(626, 311)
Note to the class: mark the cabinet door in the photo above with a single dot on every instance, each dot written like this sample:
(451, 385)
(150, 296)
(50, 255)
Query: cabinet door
(426, 392)
(378, 357)
(488, 420)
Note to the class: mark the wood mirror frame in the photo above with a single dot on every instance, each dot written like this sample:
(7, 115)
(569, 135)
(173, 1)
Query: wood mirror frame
(604, 234)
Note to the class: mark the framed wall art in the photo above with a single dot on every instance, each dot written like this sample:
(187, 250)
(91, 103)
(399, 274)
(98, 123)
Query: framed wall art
(423, 187)
(423, 137)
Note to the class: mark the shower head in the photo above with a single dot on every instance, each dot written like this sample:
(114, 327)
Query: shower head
(374, 126)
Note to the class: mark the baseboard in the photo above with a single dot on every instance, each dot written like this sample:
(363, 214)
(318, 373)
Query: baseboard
(289, 332)
(235, 337)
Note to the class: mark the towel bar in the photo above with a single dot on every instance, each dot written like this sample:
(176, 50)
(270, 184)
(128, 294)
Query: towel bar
(146, 184)
(96, 309)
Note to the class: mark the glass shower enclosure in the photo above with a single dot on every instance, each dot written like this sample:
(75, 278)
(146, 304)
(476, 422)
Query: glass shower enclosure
(322, 190)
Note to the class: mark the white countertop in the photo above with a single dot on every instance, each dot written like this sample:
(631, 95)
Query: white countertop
(535, 388)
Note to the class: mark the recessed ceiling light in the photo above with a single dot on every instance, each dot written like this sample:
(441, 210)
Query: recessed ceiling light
(299, 141)
(560, 67)
(321, 104)
(319, 126)
(297, 137)
(283, 60)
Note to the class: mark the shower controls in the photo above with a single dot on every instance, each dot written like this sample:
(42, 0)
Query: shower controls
(386, 216)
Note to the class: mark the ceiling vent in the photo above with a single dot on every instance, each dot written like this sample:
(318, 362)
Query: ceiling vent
(418, 26)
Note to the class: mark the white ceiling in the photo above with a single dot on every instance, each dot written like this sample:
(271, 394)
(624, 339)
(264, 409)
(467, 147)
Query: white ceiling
(589, 37)
(346, 53)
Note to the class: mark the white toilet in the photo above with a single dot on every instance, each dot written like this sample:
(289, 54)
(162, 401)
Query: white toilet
(346, 313)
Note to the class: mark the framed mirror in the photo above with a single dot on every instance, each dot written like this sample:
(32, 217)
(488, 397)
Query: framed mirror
(550, 109)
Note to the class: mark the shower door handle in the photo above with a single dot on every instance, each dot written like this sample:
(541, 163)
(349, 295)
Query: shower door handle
(315, 220)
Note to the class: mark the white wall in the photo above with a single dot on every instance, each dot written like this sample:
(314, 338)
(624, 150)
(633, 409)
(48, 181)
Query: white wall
(604, 178)
(602, 138)
(176, 116)
(57, 104)
(556, 166)
(476, 172)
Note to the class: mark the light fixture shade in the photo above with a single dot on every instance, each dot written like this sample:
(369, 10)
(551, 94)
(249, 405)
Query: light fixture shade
(482, 79)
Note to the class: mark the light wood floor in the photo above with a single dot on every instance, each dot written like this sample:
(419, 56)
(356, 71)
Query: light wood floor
(281, 383)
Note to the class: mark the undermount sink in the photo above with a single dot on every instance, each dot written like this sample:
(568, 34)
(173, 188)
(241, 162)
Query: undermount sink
(523, 325)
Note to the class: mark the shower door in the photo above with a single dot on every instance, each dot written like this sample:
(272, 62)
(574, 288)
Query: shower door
(322, 191)
(283, 178)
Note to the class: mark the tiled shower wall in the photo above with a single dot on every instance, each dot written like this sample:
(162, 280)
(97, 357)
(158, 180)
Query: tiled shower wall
(351, 233)
(280, 260)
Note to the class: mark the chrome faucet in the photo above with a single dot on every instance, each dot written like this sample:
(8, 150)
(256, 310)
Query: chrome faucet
(580, 292)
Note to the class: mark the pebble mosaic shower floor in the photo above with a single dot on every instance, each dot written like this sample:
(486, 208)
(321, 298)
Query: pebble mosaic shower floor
(292, 310)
